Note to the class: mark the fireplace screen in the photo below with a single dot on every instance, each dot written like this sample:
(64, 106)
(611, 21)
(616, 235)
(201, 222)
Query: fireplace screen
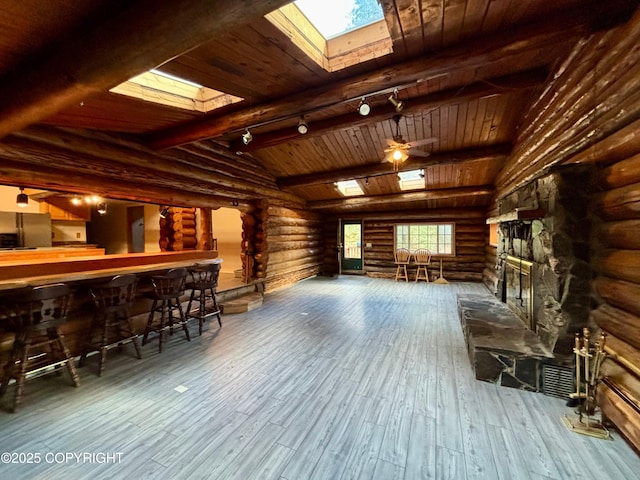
(519, 289)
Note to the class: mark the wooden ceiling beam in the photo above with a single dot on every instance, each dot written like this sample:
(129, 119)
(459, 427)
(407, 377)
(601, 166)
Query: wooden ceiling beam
(499, 47)
(352, 203)
(495, 86)
(497, 153)
(102, 55)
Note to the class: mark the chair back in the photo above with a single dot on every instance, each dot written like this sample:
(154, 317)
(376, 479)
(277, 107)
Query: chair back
(422, 256)
(117, 294)
(205, 275)
(171, 284)
(37, 308)
(402, 255)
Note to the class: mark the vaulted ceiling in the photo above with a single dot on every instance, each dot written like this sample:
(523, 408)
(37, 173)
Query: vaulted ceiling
(467, 71)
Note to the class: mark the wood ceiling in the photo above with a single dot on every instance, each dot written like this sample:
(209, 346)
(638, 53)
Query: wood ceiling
(467, 71)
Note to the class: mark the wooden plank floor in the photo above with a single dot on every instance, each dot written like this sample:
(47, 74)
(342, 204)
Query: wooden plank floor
(333, 378)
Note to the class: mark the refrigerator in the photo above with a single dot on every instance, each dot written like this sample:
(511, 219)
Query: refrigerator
(29, 230)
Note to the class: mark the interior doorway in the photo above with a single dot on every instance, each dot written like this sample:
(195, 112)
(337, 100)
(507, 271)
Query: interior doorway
(135, 230)
(227, 230)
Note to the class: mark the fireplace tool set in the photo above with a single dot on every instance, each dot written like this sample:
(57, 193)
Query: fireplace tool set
(589, 358)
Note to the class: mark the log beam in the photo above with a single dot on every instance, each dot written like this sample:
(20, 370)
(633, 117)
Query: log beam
(496, 86)
(368, 201)
(498, 48)
(496, 153)
(104, 54)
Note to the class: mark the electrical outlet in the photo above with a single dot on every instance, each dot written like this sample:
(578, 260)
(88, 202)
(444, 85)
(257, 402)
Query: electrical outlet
(77, 234)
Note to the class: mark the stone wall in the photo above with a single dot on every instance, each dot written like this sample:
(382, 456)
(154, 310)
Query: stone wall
(558, 245)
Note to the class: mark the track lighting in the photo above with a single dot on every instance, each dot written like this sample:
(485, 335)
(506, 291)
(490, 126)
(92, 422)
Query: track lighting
(399, 104)
(164, 212)
(22, 200)
(302, 126)
(247, 137)
(102, 208)
(364, 108)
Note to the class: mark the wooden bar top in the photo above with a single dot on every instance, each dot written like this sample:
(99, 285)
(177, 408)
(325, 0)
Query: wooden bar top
(41, 272)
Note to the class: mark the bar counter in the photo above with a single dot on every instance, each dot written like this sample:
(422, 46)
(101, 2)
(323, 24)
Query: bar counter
(81, 272)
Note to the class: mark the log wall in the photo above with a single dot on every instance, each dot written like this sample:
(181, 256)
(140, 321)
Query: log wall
(378, 230)
(616, 259)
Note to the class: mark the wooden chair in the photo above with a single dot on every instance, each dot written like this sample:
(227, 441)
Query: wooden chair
(422, 258)
(35, 315)
(204, 282)
(111, 324)
(402, 258)
(167, 290)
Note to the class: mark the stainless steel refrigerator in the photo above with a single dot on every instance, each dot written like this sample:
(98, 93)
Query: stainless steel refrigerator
(31, 229)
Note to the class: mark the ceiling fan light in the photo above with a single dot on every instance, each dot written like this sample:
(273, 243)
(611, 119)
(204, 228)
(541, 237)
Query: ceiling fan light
(302, 126)
(364, 108)
(247, 137)
(22, 200)
(397, 154)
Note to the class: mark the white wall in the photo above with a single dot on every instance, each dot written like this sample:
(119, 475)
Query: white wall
(227, 228)
(8, 201)
(68, 231)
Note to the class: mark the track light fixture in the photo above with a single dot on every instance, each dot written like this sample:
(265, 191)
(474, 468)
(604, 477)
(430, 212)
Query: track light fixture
(164, 212)
(22, 200)
(364, 108)
(395, 101)
(247, 137)
(302, 126)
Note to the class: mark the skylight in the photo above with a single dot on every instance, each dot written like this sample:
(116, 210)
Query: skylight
(349, 188)
(163, 88)
(337, 17)
(411, 180)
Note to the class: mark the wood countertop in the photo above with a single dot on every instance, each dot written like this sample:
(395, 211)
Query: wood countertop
(17, 274)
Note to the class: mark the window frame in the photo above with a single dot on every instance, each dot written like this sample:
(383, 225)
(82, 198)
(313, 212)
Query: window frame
(435, 254)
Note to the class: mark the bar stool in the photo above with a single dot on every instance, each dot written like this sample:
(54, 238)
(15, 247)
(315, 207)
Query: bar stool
(35, 315)
(422, 258)
(402, 257)
(204, 281)
(167, 290)
(111, 324)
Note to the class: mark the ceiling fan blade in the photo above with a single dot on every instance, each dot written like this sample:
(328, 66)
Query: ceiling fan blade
(418, 153)
(424, 141)
(390, 142)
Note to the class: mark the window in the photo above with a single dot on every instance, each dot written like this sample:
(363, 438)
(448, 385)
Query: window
(437, 237)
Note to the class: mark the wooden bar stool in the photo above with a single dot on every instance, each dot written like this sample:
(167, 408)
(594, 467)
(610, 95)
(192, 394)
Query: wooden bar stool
(35, 316)
(422, 258)
(111, 324)
(204, 282)
(402, 257)
(167, 290)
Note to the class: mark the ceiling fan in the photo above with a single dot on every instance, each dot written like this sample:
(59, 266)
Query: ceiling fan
(399, 149)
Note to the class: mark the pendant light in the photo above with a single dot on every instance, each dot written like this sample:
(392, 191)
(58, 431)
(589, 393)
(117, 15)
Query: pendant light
(22, 200)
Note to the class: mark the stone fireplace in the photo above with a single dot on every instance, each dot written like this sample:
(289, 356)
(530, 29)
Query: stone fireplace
(525, 336)
(543, 262)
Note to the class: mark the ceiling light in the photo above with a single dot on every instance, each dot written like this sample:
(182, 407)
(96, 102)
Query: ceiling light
(164, 212)
(397, 154)
(364, 108)
(22, 200)
(102, 208)
(247, 137)
(302, 126)
(399, 104)
(76, 201)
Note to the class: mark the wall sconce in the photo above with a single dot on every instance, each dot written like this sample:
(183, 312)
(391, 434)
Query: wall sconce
(102, 208)
(164, 212)
(364, 108)
(302, 126)
(22, 200)
(399, 104)
(247, 137)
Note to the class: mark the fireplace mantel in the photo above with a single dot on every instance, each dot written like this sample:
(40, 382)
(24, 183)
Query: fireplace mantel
(518, 214)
